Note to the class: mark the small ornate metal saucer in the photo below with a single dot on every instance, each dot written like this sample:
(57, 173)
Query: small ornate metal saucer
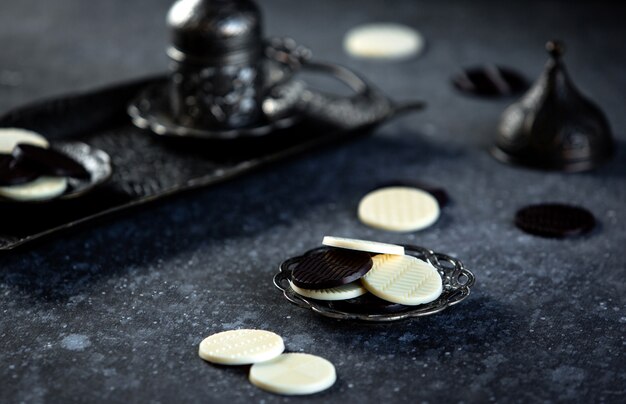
(457, 281)
(151, 110)
(95, 161)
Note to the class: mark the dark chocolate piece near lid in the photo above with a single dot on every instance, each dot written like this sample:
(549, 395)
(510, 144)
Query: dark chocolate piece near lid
(14, 173)
(490, 81)
(367, 304)
(330, 268)
(50, 161)
(439, 193)
(555, 220)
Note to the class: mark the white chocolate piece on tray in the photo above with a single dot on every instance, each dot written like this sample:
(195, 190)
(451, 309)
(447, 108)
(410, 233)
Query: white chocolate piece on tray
(293, 374)
(399, 209)
(41, 189)
(383, 41)
(363, 245)
(403, 279)
(241, 347)
(343, 292)
(11, 137)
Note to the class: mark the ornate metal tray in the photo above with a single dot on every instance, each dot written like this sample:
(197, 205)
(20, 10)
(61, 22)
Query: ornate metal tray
(457, 281)
(147, 166)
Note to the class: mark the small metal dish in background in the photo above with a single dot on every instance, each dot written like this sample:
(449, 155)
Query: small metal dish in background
(457, 281)
(95, 161)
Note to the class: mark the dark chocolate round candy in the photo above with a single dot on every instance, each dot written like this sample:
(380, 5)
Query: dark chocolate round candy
(49, 161)
(554, 220)
(330, 268)
(440, 194)
(14, 173)
(490, 81)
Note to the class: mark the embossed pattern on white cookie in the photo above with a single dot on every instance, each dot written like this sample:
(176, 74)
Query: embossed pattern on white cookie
(343, 292)
(403, 279)
(11, 137)
(41, 189)
(293, 374)
(401, 209)
(383, 41)
(241, 347)
(363, 245)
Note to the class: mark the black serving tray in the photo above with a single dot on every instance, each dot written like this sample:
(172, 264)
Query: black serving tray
(147, 167)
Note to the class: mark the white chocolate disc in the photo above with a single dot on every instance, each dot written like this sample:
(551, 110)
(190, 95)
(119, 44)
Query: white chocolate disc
(343, 292)
(363, 245)
(403, 279)
(41, 189)
(293, 374)
(383, 41)
(11, 137)
(401, 209)
(241, 347)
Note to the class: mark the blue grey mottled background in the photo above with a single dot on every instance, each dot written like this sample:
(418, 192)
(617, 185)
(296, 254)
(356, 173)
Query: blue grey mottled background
(115, 312)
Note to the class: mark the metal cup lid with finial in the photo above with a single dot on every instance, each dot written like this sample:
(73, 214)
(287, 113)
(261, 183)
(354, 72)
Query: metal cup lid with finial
(215, 32)
(553, 126)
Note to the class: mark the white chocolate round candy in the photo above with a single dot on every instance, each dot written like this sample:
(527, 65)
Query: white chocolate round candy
(383, 41)
(11, 137)
(403, 279)
(241, 347)
(400, 209)
(363, 245)
(294, 374)
(343, 292)
(41, 189)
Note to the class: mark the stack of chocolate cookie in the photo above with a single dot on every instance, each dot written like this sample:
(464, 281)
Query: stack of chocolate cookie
(365, 275)
(31, 170)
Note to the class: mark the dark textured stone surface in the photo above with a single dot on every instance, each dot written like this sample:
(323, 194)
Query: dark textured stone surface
(115, 312)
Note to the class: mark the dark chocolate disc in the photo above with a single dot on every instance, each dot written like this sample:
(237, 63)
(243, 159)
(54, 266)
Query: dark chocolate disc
(554, 220)
(367, 304)
(490, 81)
(14, 173)
(330, 268)
(440, 194)
(49, 161)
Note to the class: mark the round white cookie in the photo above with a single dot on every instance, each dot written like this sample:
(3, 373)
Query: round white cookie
(293, 374)
(403, 279)
(241, 347)
(401, 209)
(343, 292)
(363, 245)
(383, 41)
(11, 137)
(41, 189)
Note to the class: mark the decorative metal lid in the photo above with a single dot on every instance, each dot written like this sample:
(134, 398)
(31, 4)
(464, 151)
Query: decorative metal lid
(553, 126)
(215, 32)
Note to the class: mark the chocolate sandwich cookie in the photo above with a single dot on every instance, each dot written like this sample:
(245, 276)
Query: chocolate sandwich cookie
(49, 162)
(13, 173)
(490, 81)
(555, 220)
(330, 268)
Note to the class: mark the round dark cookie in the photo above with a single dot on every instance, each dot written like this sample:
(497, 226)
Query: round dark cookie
(330, 268)
(14, 173)
(554, 220)
(50, 161)
(490, 81)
